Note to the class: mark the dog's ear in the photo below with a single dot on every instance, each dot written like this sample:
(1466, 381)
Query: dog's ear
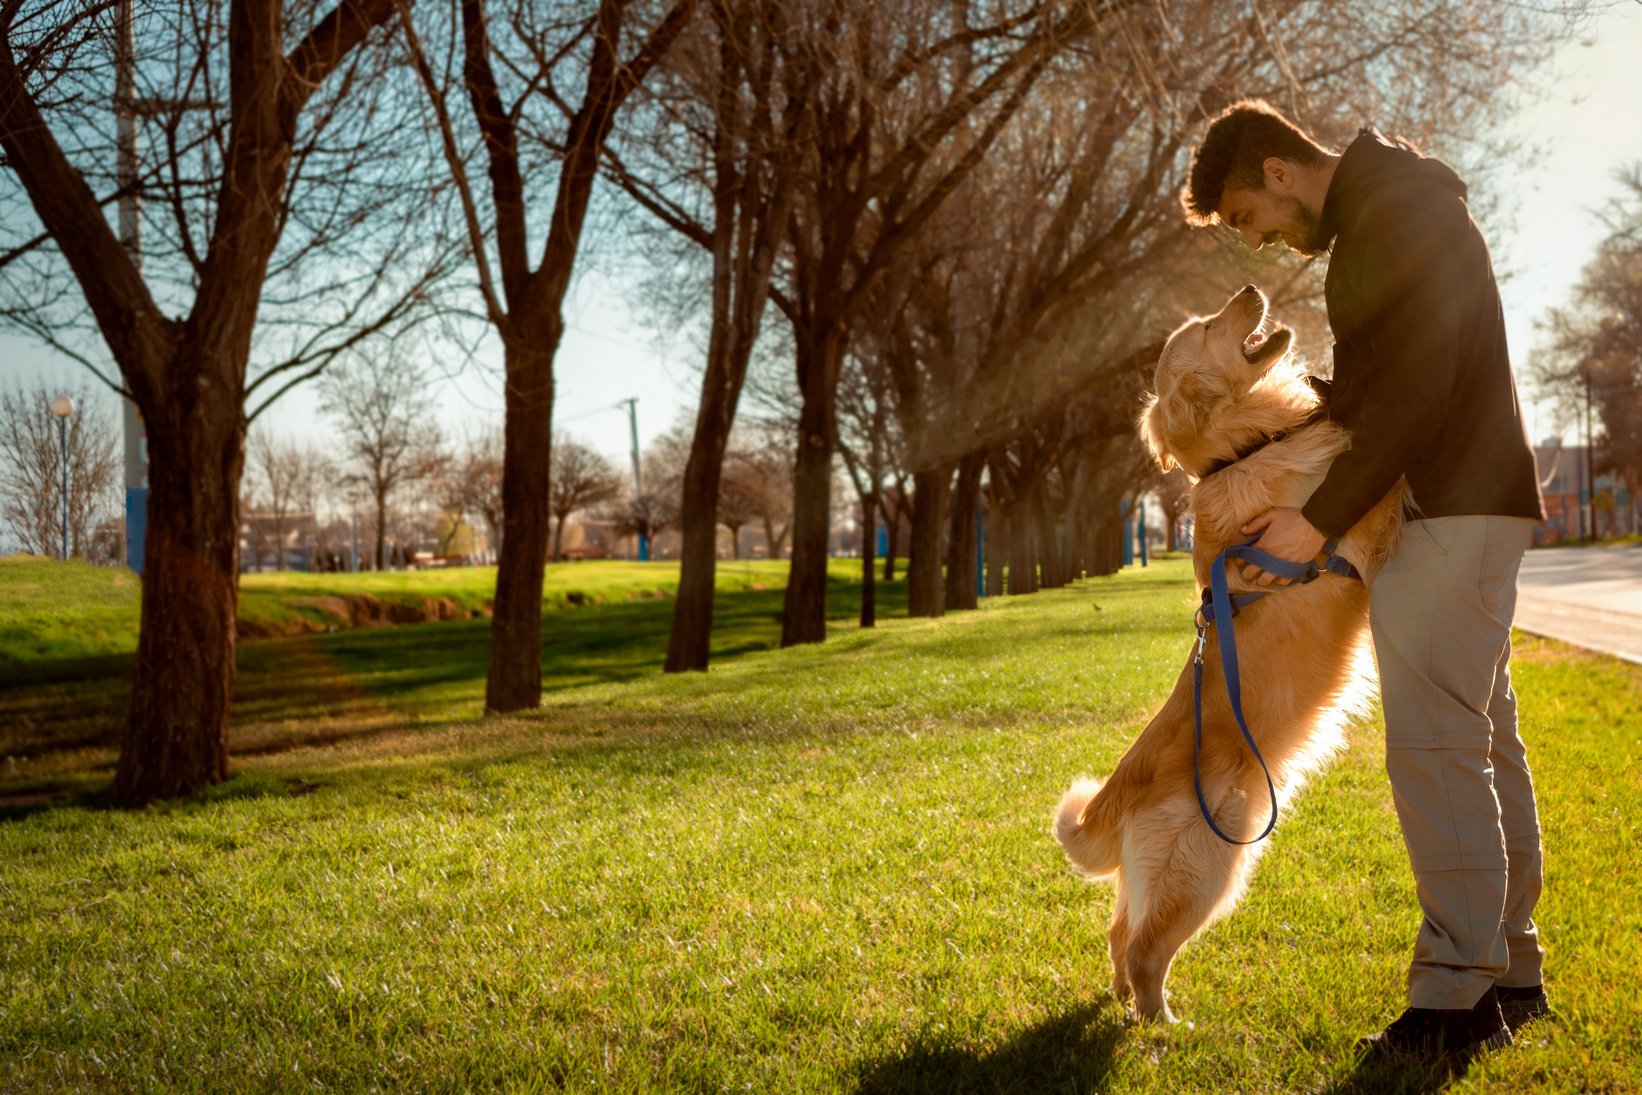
(1172, 420)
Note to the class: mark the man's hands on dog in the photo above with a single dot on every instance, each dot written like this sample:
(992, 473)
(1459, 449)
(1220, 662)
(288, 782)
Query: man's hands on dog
(1287, 535)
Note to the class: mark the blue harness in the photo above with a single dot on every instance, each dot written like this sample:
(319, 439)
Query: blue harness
(1220, 607)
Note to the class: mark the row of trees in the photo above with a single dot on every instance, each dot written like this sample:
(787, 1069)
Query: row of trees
(963, 214)
(33, 448)
(1588, 365)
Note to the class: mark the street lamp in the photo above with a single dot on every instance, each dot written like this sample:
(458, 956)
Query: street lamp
(62, 407)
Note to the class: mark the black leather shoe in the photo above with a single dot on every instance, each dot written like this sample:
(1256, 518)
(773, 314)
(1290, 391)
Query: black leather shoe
(1521, 1006)
(1437, 1032)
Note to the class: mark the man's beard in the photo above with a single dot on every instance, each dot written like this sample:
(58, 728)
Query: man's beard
(1306, 228)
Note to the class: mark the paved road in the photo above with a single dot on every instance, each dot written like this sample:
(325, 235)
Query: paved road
(1590, 597)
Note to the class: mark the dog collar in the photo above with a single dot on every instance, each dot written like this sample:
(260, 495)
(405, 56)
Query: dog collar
(1267, 439)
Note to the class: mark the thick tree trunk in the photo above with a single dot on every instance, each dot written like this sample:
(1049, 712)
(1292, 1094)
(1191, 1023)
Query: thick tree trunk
(964, 551)
(513, 680)
(804, 612)
(924, 593)
(176, 730)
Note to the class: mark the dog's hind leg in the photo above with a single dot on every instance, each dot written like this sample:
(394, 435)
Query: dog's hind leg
(1117, 938)
(1181, 901)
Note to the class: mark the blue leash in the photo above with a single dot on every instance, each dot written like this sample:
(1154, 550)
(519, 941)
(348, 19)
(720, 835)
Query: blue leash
(1219, 606)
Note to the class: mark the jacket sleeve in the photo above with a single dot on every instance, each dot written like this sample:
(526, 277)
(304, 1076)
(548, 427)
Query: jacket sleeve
(1419, 270)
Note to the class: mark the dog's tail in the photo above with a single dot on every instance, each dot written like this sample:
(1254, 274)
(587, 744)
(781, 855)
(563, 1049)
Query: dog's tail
(1087, 832)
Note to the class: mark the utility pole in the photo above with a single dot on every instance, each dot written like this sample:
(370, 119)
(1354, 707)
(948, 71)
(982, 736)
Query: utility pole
(125, 130)
(1590, 479)
(127, 107)
(632, 406)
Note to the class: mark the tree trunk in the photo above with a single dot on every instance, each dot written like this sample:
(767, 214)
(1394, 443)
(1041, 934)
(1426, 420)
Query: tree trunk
(1108, 553)
(1022, 564)
(869, 547)
(688, 641)
(930, 489)
(381, 531)
(997, 539)
(804, 611)
(176, 730)
(558, 536)
(735, 542)
(892, 541)
(513, 680)
(964, 552)
(1048, 541)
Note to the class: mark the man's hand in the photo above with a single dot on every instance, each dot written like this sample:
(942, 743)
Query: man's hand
(1288, 535)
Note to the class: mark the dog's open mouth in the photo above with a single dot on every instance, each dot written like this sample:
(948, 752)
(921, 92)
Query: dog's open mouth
(1261, 347)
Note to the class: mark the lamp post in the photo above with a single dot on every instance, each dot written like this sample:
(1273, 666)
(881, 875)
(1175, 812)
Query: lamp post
(62, 407)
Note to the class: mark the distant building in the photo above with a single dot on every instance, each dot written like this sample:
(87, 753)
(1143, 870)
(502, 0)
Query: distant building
(1571, 505)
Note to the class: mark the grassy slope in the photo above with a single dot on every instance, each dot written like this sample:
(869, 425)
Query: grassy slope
(49, 611)
(809, 870)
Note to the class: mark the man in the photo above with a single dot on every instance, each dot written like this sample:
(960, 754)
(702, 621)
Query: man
(1423, 383)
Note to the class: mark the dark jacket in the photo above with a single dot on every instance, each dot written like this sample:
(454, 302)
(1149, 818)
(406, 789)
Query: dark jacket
(1422, 378)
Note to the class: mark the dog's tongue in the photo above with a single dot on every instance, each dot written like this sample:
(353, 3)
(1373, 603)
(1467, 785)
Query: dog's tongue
(1255, 341)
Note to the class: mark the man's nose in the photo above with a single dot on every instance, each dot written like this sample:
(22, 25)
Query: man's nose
(1254, 239)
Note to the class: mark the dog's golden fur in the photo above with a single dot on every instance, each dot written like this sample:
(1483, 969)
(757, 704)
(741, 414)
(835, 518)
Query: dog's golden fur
(1304, 659)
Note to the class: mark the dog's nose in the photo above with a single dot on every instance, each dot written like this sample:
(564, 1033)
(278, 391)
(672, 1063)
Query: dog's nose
(1250, 289)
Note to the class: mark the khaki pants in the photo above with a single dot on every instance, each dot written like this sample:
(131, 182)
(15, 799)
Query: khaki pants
(1441, 616)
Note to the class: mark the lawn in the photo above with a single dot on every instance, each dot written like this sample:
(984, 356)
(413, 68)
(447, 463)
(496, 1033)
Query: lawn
(49, 611)
(819, 869)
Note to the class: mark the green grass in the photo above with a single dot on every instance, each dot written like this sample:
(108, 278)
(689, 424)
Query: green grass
(50, 611)
(821, 869)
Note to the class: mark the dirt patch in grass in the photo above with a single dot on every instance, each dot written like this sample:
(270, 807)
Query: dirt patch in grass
(313, 615)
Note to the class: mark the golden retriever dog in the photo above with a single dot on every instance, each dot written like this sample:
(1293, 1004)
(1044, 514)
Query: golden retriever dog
(1232, 408)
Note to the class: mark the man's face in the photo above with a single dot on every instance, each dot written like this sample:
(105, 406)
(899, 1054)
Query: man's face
(1266, 216)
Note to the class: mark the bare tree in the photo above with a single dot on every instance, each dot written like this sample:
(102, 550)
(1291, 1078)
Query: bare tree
(760, 461)
(733, 99)
(260, 124)
(31, 469)
(385, 419)
(741, 498)
(1589, 362)
(473, 482)
(526, 308)
(582, 479)
(286, 477)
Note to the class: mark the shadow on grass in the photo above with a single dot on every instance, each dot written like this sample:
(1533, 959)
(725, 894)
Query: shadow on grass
(1070, 1052)
(63, 718)
(1378, 1075)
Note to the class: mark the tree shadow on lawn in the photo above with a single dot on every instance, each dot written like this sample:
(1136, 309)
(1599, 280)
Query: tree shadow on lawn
(1069, 1052)
(63, 718)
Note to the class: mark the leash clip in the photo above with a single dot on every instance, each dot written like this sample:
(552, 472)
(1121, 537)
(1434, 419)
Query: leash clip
(1202, 638)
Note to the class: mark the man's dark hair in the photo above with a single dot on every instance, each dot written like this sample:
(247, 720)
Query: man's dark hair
(1233, 154)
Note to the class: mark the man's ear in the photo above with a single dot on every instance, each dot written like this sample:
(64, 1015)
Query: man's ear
(1279, 174)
